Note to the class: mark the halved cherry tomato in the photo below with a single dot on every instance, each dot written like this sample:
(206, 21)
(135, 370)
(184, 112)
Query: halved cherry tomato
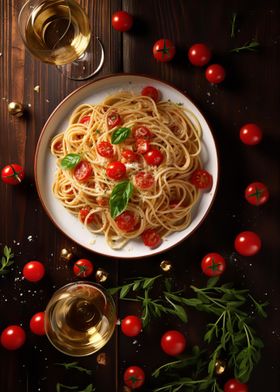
(131, 325)
(105, 149)
(83, 268)
(134, 377)
(142, 146)
(13, 337)
(33, 271)
(102, 201)
(116, 170)
(129, 156)
(126, 221)
(113, 120)
(173, 342)
(141, 131)
(12, 174)
(251, 134)
(154, 157)
(58, 146)
(247, 243)
(151, 238)
(234, 385)
(213, 264)
(201, 179)
(199, 54)
(83, 171)
(215, 73)
(144, 180)
(37, 323)
(256, 193)
(85, 120)
(150, 91)
(164, 50)
(83, 213)
(122, 21)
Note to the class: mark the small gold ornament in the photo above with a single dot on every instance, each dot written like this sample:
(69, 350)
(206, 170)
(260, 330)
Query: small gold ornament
(16, 109)
(66, 254)
(126, 389)
(101, 359)
(166, 265)
(101, 275)
(220, 367)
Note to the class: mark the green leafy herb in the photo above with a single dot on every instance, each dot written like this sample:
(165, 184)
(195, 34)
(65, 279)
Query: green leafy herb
(233, 25)
(6, 260)
(59, 386)
(89, 388)
(119, 135)
(119, 198)
(250, 46)
(74, 365)
(70, 161)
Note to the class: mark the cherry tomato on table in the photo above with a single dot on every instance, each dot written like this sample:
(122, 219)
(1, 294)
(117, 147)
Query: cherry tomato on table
(37, 325)
(154, 157)
(151, 238)
(141, 131)
(213, 264)
(234, 385)
(144, 180)
(122, 21)
(83, 215)
(150, 91)
(116, 170)
(201, 179)
(12, 174)
(129, 156)
(83, 268)
(199, 54)
(83, 171)
(33, 271)
(126, 221)
(173, 343)
(247, 243)
(164, 50)
(256, 193)
(134, 377)
(113, 120)
(13, 337)
(131, 325)
(215, 73)
(250, 134)
(105, 149)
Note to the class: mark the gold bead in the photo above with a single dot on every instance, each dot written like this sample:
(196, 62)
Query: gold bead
(66, 255)
(101, 275)
(166, 265)
(220, 367)
(101, 359)
(16, 109)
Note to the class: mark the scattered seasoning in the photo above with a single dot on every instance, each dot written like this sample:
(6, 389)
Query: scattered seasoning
(250, 46)
(37, 88)
(233, 25)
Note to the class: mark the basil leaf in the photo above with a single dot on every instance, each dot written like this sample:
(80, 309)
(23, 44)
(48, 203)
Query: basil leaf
(70, 161)
(120, 196)
(119, 135)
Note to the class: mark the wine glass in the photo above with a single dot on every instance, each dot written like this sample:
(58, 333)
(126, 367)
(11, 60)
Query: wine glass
(80, 318)
(58, 32)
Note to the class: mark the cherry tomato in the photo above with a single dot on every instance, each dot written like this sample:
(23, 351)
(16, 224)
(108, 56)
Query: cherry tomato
(141, 131)
(164, 50)
(199, 54)
(201, 179)
(83, 268)
(129, 156)
(116, 170)
(83, 213)
(12, 174)
(37, 323)
(173, 343)
(234, 385)
(213, 264)
(144, 180)
(142, 146)
(247, 243)
(251, 134)
(151, 238)
(105, 149)
(126, 221)
(215, 73)
(113, 120)
(58, 146)
(256, 193)
(134, 377)
(102, 201)
(150, 91)
(85, 120)
(131, 325)
(122, 21)
(33, 271)
(153, 157)
(13, 337)
(83, 171)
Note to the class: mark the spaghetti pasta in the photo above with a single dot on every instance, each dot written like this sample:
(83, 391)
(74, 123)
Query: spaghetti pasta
(157, 146)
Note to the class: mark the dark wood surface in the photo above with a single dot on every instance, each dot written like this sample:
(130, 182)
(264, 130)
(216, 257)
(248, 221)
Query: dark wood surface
(249, 94)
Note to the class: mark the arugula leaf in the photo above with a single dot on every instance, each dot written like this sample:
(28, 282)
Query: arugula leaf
(233, 25)
(74, 365)
(119, 135)
(6, 260)
(249, 46)
(70, 161)
(119, 198)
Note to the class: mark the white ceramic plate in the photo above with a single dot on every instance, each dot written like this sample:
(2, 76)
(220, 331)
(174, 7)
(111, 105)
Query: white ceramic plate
(45, 166)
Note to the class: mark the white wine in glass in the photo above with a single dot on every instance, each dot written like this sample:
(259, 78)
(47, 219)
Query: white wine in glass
(80, 318)
(58, 32)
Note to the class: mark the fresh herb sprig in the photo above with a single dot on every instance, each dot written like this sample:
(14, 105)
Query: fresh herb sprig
(6, 260)
(74, 365)
(249, 46)
(233, 25)
(60, 387)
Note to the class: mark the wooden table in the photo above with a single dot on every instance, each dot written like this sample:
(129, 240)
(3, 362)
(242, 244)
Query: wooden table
(249, 94)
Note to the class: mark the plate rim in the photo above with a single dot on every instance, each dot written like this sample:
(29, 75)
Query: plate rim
(57, 108)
